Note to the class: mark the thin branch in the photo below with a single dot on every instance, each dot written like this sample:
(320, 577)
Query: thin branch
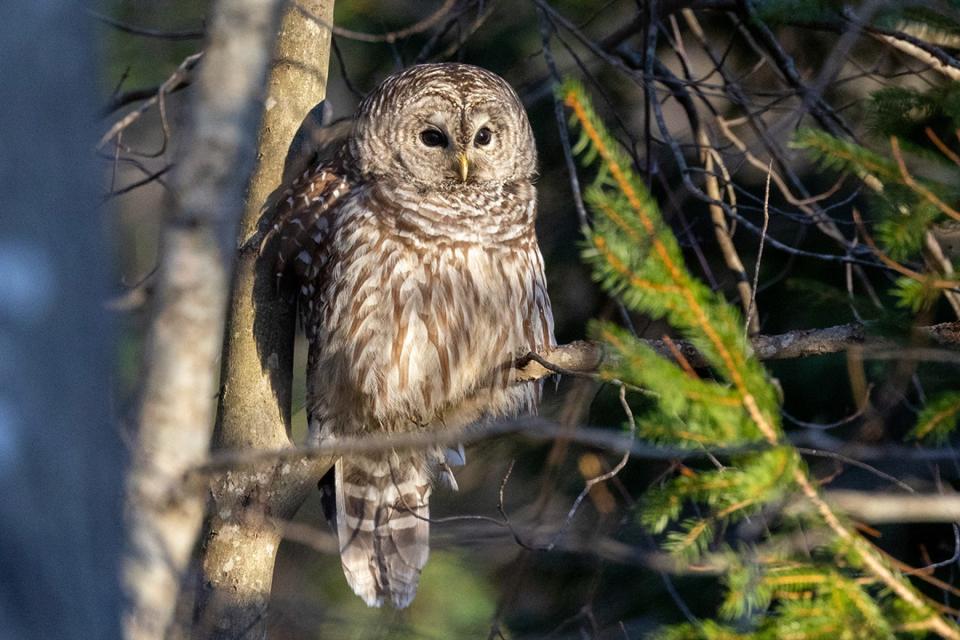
(176, 79)
(120, 100)
(155, 176)
(918, 188)
(603, 477)
(389, 37)
(678, 356)
(546, 30)
(583, 357)
(194, 34)
(939, 144)
(886, 508)
(721, 230)
(931, 56)
(320, 458)
(937, 283)
(752, 309)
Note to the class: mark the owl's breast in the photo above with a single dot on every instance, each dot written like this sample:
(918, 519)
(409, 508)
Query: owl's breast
(415, 332)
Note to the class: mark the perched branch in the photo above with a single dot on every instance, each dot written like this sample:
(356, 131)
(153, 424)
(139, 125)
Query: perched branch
(584, 357)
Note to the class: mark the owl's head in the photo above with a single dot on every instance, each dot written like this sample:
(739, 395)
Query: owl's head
(445, 124)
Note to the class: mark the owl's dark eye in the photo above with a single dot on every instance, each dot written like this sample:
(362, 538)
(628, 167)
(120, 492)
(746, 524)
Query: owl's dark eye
(483, 137)
(433, 138)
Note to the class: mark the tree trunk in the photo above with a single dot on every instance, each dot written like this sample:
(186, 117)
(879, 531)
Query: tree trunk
(241, 536)
(164, 514)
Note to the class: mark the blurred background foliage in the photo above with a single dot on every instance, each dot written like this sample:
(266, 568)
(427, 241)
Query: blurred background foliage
(602, 579)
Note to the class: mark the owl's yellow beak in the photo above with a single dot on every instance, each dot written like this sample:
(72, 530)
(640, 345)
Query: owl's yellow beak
(463, 165)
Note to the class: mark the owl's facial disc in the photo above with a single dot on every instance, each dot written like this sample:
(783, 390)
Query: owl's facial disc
(444, 126)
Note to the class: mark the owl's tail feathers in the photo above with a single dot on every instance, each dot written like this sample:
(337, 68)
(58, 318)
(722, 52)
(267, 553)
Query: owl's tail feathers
(382, 524)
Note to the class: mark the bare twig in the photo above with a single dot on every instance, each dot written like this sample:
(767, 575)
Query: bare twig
(389, 37)
(752, 309)
(918, 188)
(884, 508)
(603, 477)
(195, 34)
(721, 231)
(546, 30)
(931, 281)
(155, 176)
(921, 53)
(120, 100)
(175, 81)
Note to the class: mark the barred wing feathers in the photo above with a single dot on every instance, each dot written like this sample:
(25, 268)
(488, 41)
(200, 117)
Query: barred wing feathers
(302, 221)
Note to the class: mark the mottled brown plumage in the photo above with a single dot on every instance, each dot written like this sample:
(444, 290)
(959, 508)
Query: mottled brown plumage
(420, 283)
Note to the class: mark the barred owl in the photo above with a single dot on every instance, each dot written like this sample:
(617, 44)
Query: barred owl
(420, 283)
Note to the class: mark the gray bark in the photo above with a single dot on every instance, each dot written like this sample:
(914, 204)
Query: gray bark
(241, 535)
(185, 334)
(61, 458)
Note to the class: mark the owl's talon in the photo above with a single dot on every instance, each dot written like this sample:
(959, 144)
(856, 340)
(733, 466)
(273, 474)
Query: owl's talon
(456, 457)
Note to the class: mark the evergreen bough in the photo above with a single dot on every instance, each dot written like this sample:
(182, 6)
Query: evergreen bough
(845, 587)
(908, 208)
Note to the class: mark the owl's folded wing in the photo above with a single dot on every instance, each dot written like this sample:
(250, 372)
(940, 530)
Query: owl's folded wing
(302, 220)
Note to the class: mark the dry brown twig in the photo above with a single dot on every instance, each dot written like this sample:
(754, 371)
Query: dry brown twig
(915, 186)
(176, 79)
(194, 34)
(932, 281)
(722, 231)
(827, 226)
(751, 310)
(933, 251)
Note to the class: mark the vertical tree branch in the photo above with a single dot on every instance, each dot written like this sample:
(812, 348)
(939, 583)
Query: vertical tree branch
(186, 327)
(254, 410)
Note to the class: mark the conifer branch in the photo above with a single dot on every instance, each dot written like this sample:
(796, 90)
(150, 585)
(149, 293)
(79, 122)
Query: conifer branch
(731, 360)
(637, 258)
(874, 562)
